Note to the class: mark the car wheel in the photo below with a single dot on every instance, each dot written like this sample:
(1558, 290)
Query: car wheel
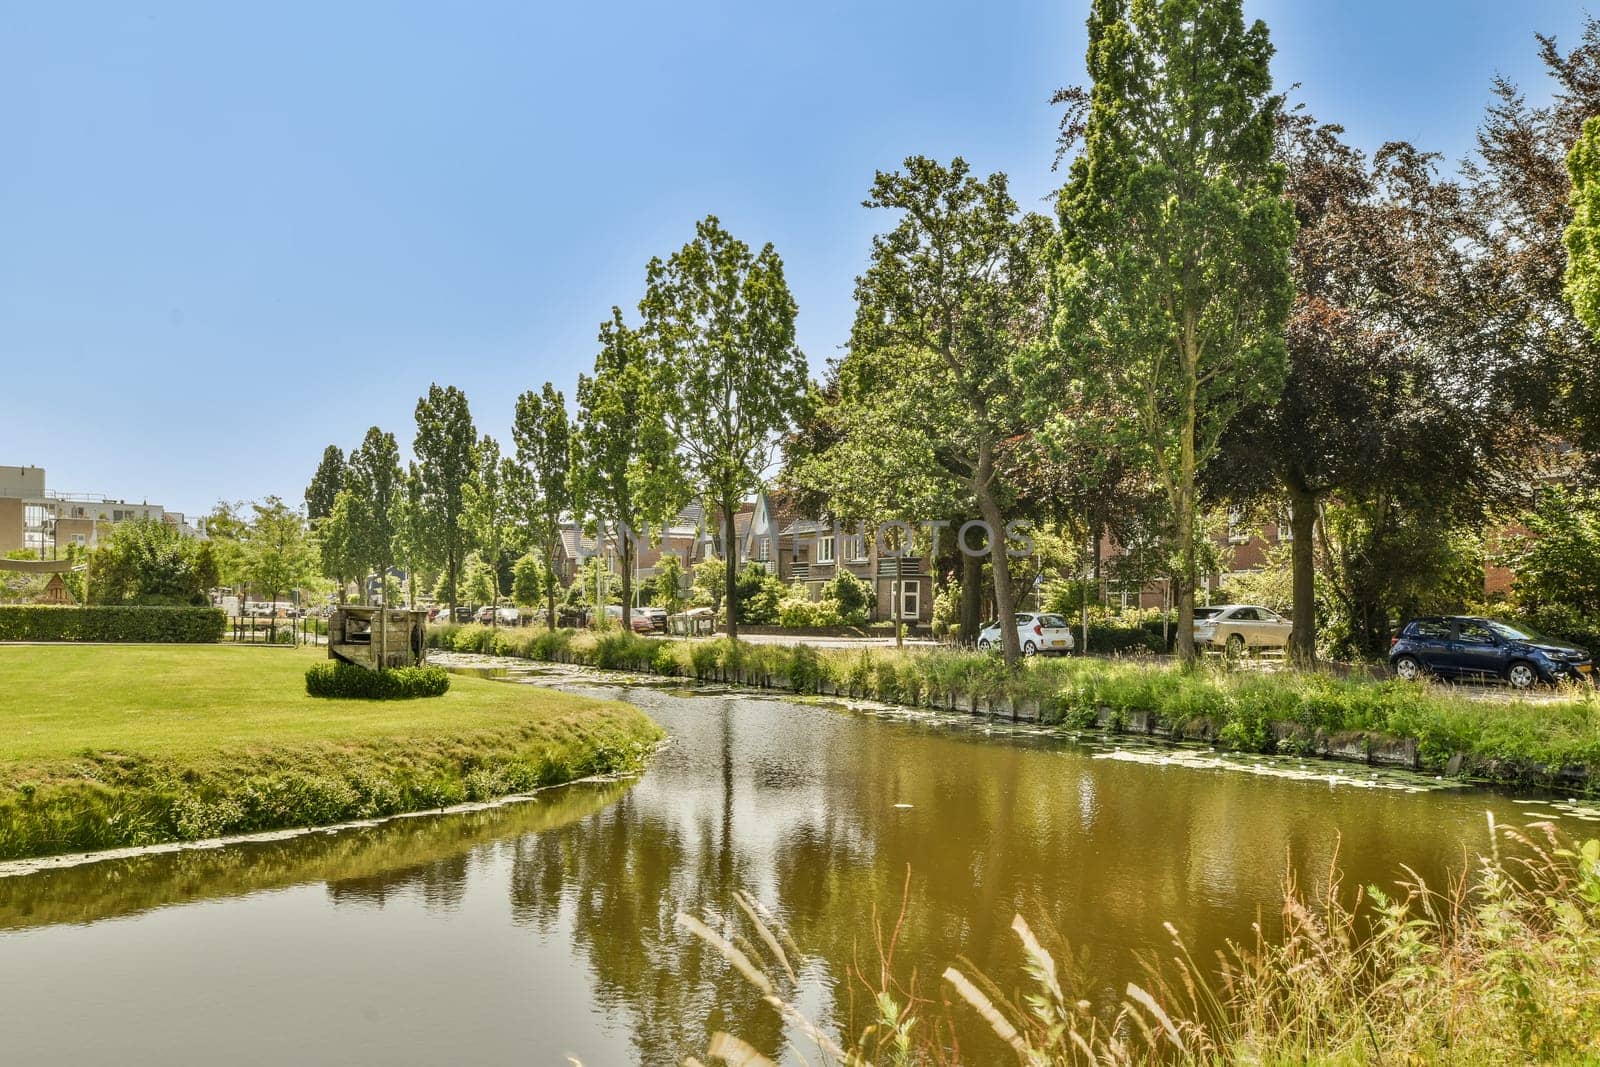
(1521, 675)
(1236, 645)
(1407, 668)
(984, 644)
(1030, 649)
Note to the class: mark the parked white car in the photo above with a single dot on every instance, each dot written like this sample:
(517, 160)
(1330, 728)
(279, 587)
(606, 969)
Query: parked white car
(1038, 634)
(1237, 627)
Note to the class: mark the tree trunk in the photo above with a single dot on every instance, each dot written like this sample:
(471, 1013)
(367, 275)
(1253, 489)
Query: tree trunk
(550, 586)
(450, 570)
(1186, 583)
(971, 598)
(730, 567)
(1004, 605)
(625, 557)
(1184, 514)
(1093, 583)
(1302, 558)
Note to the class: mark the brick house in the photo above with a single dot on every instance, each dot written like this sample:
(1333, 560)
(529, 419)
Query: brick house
(813, 551)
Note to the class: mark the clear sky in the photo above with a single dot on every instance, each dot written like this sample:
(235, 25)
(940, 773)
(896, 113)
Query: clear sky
(233, 233)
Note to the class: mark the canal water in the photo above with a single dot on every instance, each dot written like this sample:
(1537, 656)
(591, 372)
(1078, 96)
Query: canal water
(541, 930)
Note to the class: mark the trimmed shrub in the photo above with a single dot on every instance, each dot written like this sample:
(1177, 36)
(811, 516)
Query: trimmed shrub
(347, 682)
(105, 622)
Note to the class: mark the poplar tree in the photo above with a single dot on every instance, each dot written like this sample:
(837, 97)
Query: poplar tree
(375, 481)
(1173, 280)
(445, 447)
(325, 484)
(543, 434)
(628, 471)
(490, 499)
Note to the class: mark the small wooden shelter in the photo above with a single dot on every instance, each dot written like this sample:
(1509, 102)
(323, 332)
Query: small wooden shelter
(56, 592)
(376, 638)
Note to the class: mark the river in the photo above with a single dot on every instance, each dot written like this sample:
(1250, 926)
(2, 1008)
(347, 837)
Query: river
(535, 931)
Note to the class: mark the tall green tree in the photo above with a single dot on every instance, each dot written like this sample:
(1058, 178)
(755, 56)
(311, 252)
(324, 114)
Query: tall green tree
(543, 433)
(1173, 282)
(445, 447)
(412, 547)
(721, 326)
(325, 484)
(225, 528)
(375, 481)
(490, 510)
(531, 583)
(946, 313)
(1583, 232)
(669, 583)
(337, 556)
(626, 467)
(278, 556)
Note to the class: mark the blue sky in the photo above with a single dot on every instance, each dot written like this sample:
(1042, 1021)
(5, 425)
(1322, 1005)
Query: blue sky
(233, 233)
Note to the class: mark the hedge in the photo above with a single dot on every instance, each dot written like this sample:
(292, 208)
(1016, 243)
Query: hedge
(346, 681)
(105, 622)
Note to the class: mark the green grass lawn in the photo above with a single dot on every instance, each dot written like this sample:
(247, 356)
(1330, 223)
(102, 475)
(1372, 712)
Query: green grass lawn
(111, 745)
(191, 701)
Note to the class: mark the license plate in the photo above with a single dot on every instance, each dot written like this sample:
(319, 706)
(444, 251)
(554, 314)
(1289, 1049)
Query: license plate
(1585, 668)
(1058, 643)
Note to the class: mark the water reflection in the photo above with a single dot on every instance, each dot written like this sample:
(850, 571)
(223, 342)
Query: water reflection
(534, 931)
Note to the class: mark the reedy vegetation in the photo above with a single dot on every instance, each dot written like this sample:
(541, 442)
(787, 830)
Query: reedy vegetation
(1498, 967)
(1289, 713)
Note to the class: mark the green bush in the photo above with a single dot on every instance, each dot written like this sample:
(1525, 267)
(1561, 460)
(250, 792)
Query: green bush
(348, 682)
(854, 597)
(41, 622)
(760, 592)
(797, 613)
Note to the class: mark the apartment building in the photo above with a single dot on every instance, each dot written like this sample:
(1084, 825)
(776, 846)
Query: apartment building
(36, 518)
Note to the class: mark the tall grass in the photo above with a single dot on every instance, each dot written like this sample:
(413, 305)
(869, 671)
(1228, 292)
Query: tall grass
(1501, 966)
(1285, 712)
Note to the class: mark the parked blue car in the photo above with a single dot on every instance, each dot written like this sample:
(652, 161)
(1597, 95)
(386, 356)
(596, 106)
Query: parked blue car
(1457, 646)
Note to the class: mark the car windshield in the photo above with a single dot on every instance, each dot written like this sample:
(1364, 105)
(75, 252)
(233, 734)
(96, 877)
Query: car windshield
(1053, 621)
(1515, 633)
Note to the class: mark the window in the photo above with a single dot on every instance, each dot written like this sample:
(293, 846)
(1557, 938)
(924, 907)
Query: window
(1285, 532)
(764, 549)
(1237, 534)
(855, 547)
(1475, 633)
(1430, 630)
(1053, 622)
(1245, 615)
(825, 549)
(910, 600)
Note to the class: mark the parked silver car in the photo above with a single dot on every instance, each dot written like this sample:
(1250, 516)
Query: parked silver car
(1038, 634)
(1237, 627)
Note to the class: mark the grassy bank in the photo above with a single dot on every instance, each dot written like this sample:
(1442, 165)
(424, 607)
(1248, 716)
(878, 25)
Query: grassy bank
(374, 856)
(1499, 967)
(1427, 726)
(104, 747)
